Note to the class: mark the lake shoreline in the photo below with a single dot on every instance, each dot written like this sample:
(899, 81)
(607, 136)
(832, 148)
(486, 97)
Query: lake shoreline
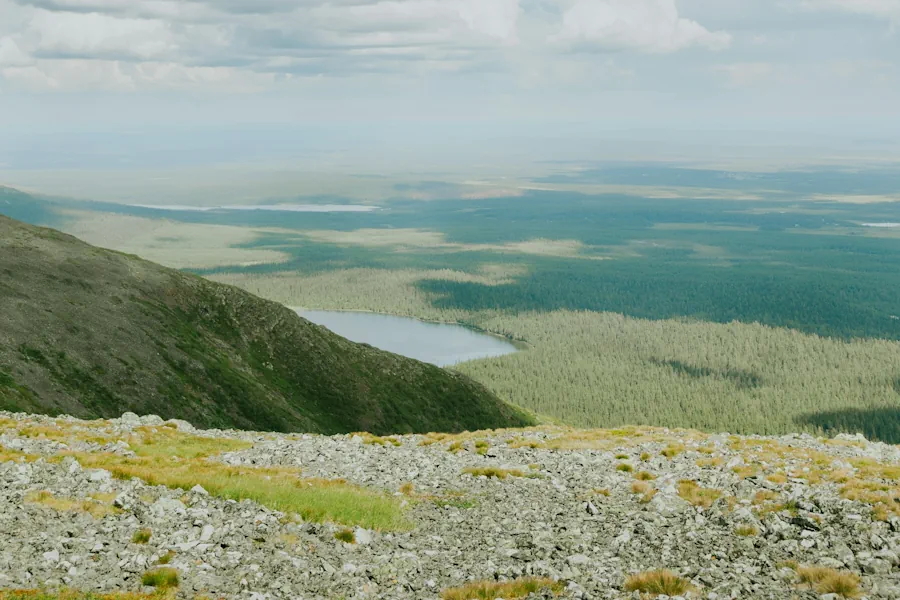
(444, 344)
(521, 345)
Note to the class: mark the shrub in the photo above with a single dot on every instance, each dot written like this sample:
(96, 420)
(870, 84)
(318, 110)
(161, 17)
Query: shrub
(658, 583)
(162, 578)
(142, 536)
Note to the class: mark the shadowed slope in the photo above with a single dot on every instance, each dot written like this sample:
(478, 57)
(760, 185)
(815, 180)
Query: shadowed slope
(93, 333)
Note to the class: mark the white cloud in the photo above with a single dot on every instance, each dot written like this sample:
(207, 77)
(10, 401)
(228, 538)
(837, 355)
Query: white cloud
(264, 37)
(94, 35)
(649, 26)
(888, 9)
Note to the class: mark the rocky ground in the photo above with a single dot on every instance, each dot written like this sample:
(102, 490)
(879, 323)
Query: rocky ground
(739, 517)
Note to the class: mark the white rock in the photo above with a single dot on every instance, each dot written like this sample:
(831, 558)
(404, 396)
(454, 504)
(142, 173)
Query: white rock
(198, 489)
(183, 426)
(166, 508)
(578, 560)
(206, 533)
(52, 556)
(130, 418)
(100, 476)
(151, 421)
(363, 537)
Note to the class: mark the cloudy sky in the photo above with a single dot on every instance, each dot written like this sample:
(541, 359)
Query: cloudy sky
(829, 65)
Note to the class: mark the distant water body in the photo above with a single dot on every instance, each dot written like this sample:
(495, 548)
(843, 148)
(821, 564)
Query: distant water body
(438, 344)
(314, 208)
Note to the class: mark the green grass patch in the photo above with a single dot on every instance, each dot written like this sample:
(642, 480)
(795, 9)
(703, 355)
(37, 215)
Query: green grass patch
(279, 488)
(346, 535)
(162, 578)
(166, 442)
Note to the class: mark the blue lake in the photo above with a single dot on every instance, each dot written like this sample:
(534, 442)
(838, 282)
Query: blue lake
(435, 343)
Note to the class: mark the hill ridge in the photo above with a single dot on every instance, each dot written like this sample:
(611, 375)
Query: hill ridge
(93, 332)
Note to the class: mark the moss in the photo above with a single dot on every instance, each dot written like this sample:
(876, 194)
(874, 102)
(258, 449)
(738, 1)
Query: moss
(345, 535)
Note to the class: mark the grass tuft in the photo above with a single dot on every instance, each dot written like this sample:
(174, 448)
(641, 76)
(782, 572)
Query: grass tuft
(493, 472)
(658, 583)
(508, 590)
(830, 581)
(696, 495)
(142, 536)
(162, 578)
(746, 531)
(645, 476)
(624, 467)
(75, 595)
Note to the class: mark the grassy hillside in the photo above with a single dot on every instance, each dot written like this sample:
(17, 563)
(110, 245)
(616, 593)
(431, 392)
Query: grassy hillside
(93, 333)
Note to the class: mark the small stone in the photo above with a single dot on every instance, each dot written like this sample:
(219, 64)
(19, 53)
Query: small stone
(52, 556)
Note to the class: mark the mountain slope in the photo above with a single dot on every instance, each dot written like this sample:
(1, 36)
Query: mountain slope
(93, 333)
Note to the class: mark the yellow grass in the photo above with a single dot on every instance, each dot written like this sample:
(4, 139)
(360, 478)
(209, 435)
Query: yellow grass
(645, 476)
(696, 495)
(658, 583)
(75, 595)
(279, 488)
(644, 490)
(830, 581)
(15, 456)
(97, 508)
(509, 590)
(493, 472)
(672, 450)
(746, 531)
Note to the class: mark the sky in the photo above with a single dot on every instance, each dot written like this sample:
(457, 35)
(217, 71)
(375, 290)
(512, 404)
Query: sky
(427, 69)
